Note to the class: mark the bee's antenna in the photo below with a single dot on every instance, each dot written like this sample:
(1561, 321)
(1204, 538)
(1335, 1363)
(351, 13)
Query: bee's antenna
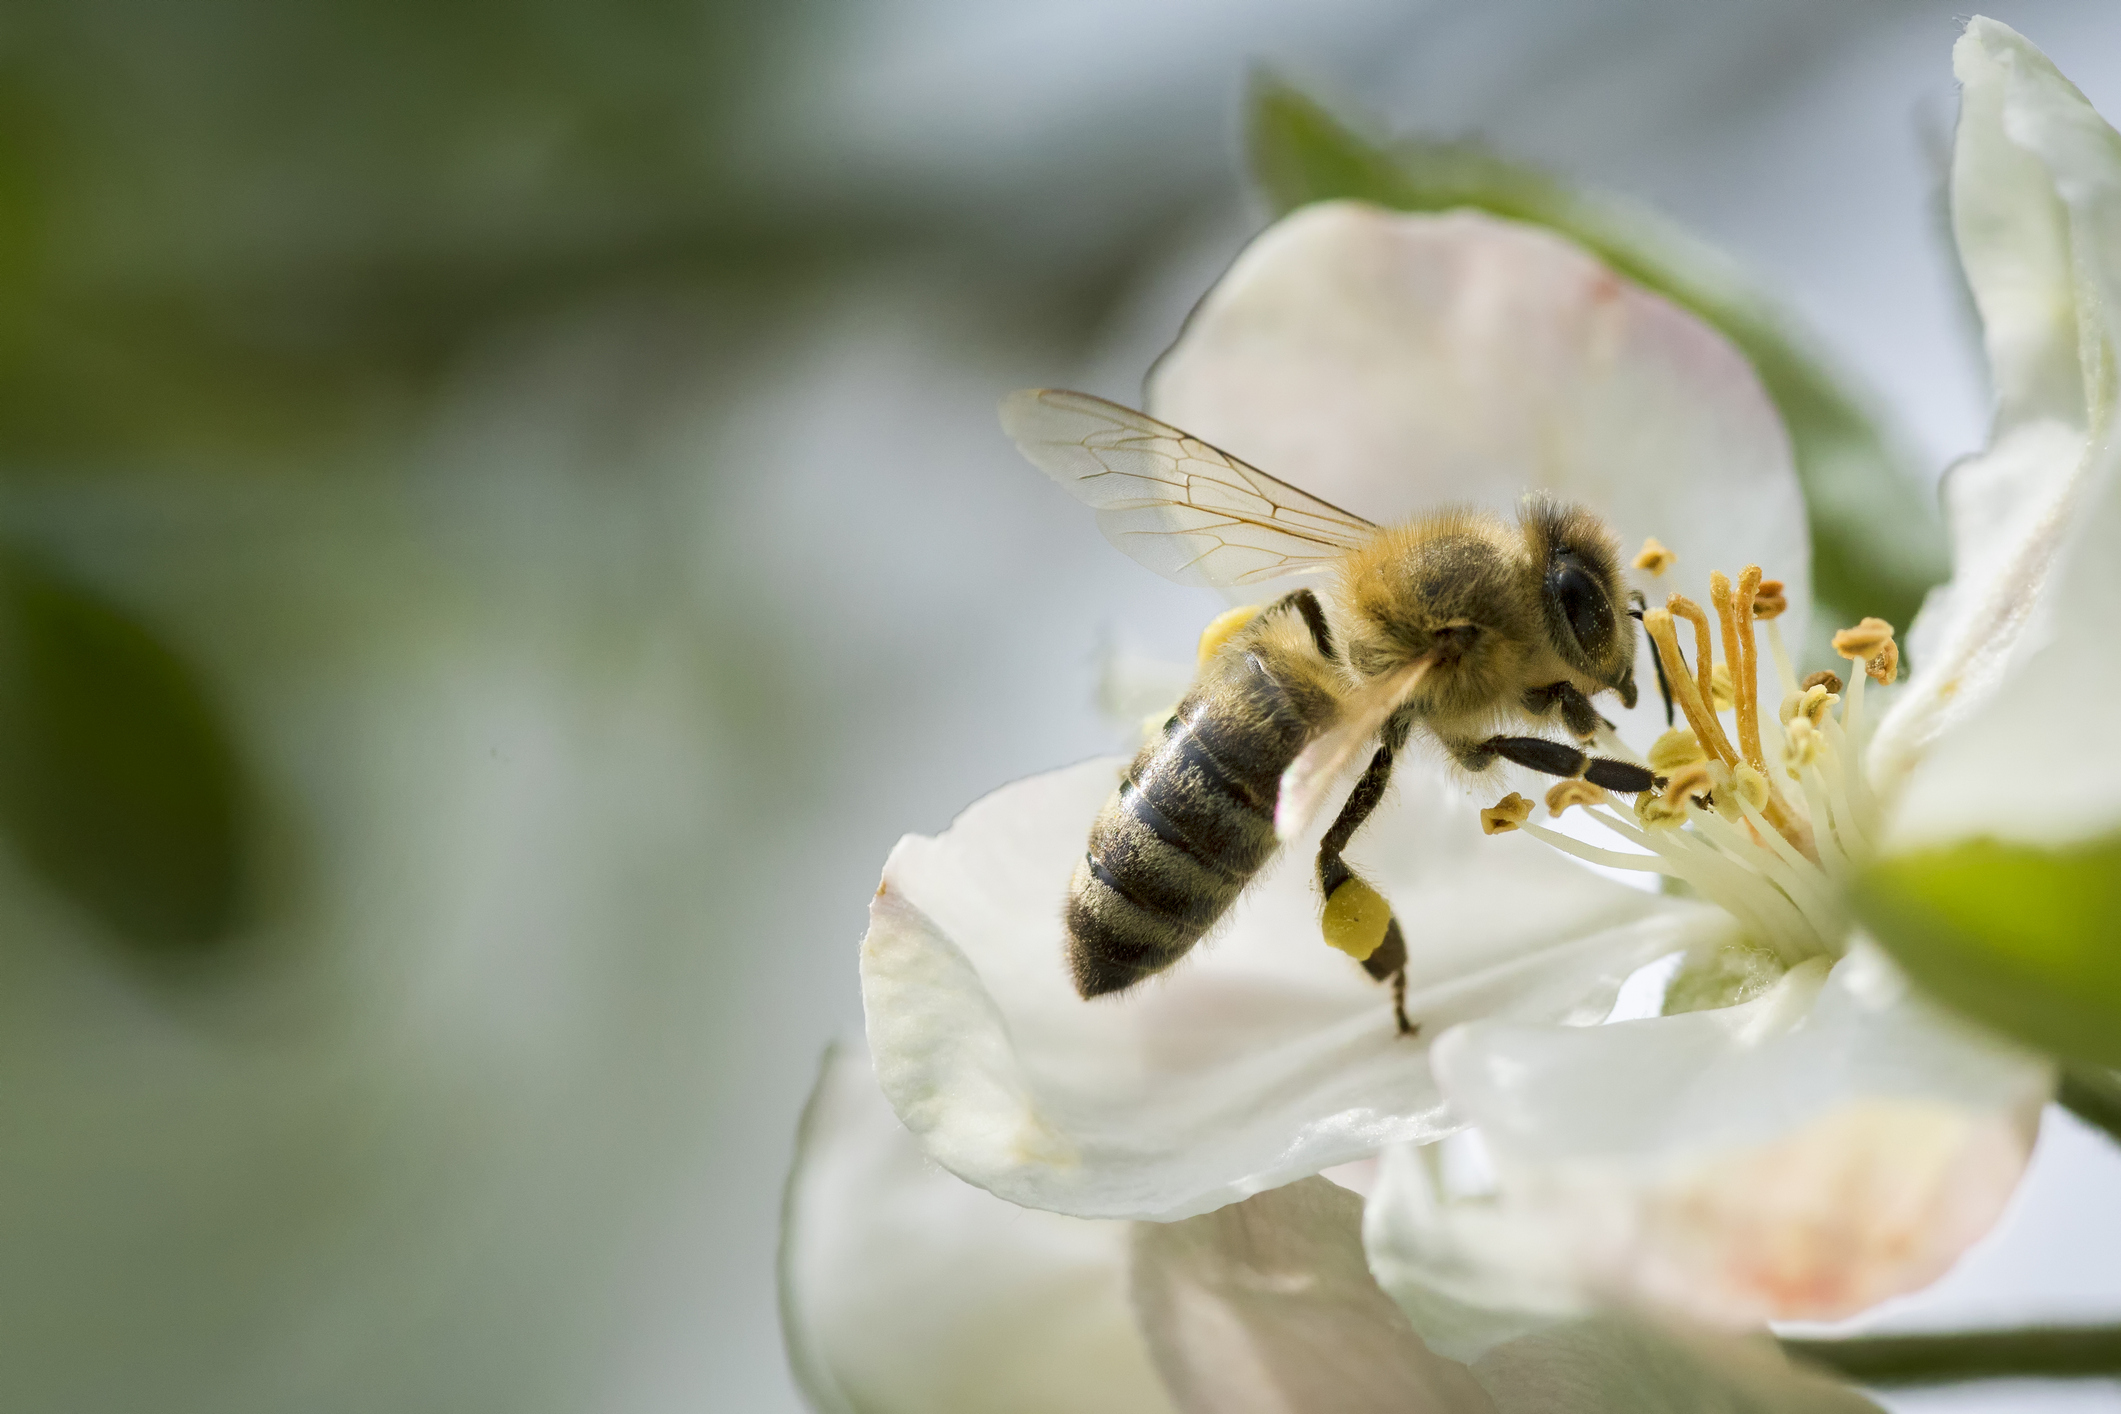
(1664, 687)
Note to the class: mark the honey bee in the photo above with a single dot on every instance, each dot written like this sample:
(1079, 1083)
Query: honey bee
(1461, 624)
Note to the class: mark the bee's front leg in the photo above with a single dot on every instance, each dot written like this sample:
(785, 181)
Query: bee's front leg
(1553, 758)
(1357, 920)
(1577, 713)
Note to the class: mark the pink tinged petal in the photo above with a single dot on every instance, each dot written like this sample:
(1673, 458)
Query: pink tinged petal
(1622, 1364)
(1264, 1055)
(1266, 1307)
(2036, 205)
(1395, 363)
(1786, 1158)
(905, 1291)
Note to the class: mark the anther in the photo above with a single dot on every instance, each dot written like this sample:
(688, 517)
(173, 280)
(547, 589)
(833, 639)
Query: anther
(1568, 793)
(1810, 705)
(1771, 602)
(1730, 784)
(1871, 644)
(1688, 782)
(1659, 813)
(1505, 814)
(1830, 681)
(1653, 557)
(1886, 666)
(1677, 747)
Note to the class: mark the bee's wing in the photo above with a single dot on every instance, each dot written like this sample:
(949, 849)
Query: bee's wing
(1176, 504)
(1363, 715)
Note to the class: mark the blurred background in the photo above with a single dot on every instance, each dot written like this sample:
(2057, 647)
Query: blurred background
(502, 525)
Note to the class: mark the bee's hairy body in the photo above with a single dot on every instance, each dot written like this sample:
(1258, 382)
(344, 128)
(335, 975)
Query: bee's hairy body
(1193, 818)
(1497, 609)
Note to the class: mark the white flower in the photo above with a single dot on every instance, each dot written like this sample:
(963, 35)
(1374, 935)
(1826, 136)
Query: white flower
(1790, 1133)
(906, 1291)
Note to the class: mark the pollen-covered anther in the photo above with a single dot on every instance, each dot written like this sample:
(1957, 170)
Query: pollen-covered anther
(1770, 601)
(1658, 813)
(1356, 919)
(1568, 793)
(1801, 742)
(1886, 666)
(1505, 814)
(1675, 748)
(1746, 784)
(1688, 782)
(1871, 644)
(1721, 691)
(1830, 681)
(1654, 558)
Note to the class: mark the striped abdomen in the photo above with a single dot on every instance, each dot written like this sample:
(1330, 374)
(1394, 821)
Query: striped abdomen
(1192, 821)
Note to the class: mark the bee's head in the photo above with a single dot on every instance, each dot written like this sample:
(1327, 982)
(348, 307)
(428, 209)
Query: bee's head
(1583, 599)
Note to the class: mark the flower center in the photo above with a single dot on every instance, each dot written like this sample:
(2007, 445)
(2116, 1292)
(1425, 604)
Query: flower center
(1767, 816)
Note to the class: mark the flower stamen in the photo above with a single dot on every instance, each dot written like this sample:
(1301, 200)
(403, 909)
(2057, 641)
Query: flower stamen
(1775, 855)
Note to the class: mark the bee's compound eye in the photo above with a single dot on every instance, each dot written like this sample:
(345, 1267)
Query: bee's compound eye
(1582, 602)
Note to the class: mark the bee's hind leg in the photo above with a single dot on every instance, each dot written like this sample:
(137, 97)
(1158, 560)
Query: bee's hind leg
(1357, 920)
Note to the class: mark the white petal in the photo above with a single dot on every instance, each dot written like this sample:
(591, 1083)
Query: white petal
(1395, 363)
(2012, 228)
(905, 1291)
(1260, 1058)
(1784, 1158)
(2037, 207)
(1619, 1364)
(2054, 705)
(1267, 1307)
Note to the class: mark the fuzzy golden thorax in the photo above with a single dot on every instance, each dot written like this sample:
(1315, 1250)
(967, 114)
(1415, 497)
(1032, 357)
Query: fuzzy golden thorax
(1502, 608)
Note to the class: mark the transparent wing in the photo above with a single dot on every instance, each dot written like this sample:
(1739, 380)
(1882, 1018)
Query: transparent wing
(1309, 778)
(1172, 502)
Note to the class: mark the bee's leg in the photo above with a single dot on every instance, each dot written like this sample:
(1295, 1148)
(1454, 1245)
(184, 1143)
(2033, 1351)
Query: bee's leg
(1577, 713)
(1553, 758)
(1664, 685)
(1355, 912)
(1304, 602)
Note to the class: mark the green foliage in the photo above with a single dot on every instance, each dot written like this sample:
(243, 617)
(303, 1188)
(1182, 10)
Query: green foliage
(117, 780)
(2027, 939)
(1877, 539)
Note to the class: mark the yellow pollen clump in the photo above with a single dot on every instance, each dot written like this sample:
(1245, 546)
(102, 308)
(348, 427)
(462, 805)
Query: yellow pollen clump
(1569, 793)
(1771, 602)
(1871, 644)
(1505, 814)
(1356, 919)
(1800, 747)
(1721, 691)
(1677, 747)
(1653, 557)
(1223, 627)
